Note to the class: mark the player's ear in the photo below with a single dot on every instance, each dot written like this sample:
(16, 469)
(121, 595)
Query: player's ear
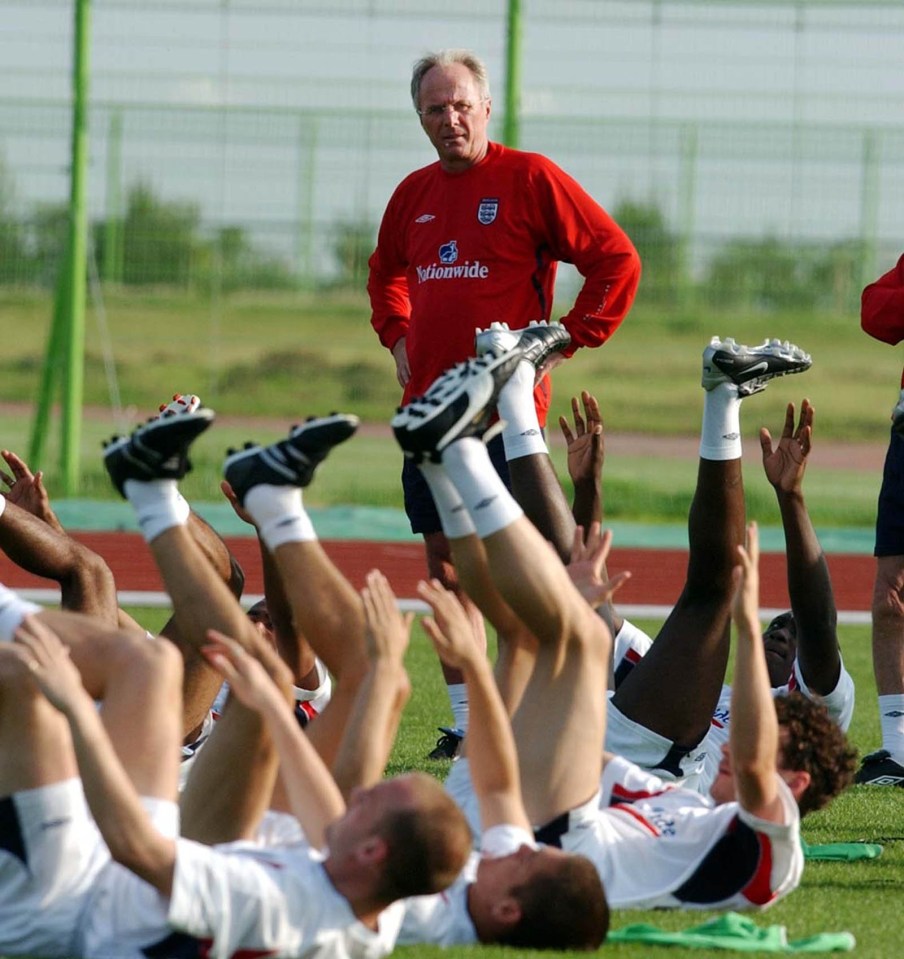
(372, 851)
(798, 781)
(507, 911)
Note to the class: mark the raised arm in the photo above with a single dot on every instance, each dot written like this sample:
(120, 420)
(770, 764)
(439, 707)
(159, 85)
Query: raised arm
(374, 718)
(129, 834)
(314, 797)
(586, 454)
(809, 583)
(33, 538)
(491, 745)
(26, 489)
(753, 740)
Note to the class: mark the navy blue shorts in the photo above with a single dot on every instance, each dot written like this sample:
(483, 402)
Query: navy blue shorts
(418, 501)
(890, 512)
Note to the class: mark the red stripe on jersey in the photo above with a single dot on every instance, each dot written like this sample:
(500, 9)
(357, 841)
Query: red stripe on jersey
(641, 820)
(307, 708)
(621, 794)
(759, 890)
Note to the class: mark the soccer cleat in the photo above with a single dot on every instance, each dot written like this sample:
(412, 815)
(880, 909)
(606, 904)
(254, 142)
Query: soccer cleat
(537, 341)
(460, 403)
(448, 744)
(750, 367)
(879, 769)
(156, 450)
(292, 461)
(180, 403)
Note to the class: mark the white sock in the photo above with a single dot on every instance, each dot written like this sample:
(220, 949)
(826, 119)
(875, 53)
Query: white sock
(458, 700)
(158, 505)
(720, 436)
(279, 515)
(490, 504)
(891, 718)
(13, 609)
(453, 513)
(521, 434)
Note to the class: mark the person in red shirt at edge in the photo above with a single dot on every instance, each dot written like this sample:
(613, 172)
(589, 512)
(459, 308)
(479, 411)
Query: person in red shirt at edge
(475, 239)
(882, 316)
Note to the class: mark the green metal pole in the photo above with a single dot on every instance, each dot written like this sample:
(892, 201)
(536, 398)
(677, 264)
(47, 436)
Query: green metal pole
(73, 386)
(66, 339)
(511, 128)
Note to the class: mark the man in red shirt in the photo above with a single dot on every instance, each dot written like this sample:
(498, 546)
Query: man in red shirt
(882, 316)
(475, 238)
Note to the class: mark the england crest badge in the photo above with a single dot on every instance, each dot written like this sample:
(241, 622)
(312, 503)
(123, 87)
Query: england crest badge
(487, 210)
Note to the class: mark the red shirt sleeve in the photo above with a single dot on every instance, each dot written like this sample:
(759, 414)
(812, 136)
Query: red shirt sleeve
(387, 285)
(586, 236)
(882, 306)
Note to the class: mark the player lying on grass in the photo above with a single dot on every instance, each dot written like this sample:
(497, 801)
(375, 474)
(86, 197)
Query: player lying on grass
(320, 603)
(801, 646)
(32, 536)
(400, 837)
(560, 711)
(504, 894)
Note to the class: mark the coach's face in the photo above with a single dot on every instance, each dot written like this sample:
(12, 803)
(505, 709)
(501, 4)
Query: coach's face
(455, 116)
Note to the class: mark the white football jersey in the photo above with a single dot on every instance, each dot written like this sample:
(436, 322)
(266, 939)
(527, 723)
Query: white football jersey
(658, 845)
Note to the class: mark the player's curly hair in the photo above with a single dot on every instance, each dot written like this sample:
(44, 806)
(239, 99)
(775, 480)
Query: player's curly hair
(564, 908)
(813, 742)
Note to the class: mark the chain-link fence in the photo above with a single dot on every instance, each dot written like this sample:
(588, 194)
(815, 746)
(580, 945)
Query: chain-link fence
(753, 150)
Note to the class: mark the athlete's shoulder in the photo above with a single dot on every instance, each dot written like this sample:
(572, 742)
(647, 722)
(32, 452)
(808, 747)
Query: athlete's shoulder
(418, 177)
(521, 160)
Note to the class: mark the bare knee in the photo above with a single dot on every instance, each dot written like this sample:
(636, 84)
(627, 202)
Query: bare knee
(15, 675)
(144, 660)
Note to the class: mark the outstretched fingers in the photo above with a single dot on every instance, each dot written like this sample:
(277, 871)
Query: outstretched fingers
(449, 628)
(587, 568)
(387, 630)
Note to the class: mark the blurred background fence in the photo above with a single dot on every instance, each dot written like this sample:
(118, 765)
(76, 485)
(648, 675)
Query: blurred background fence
(753, 150)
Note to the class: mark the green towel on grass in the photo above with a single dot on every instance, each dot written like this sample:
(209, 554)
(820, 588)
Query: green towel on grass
(841, 851)
(734, 931)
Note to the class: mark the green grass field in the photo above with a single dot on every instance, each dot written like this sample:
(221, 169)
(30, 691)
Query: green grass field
(287, 355)
(283, 357)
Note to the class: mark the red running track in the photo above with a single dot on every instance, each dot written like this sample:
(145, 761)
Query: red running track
(657, 575)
